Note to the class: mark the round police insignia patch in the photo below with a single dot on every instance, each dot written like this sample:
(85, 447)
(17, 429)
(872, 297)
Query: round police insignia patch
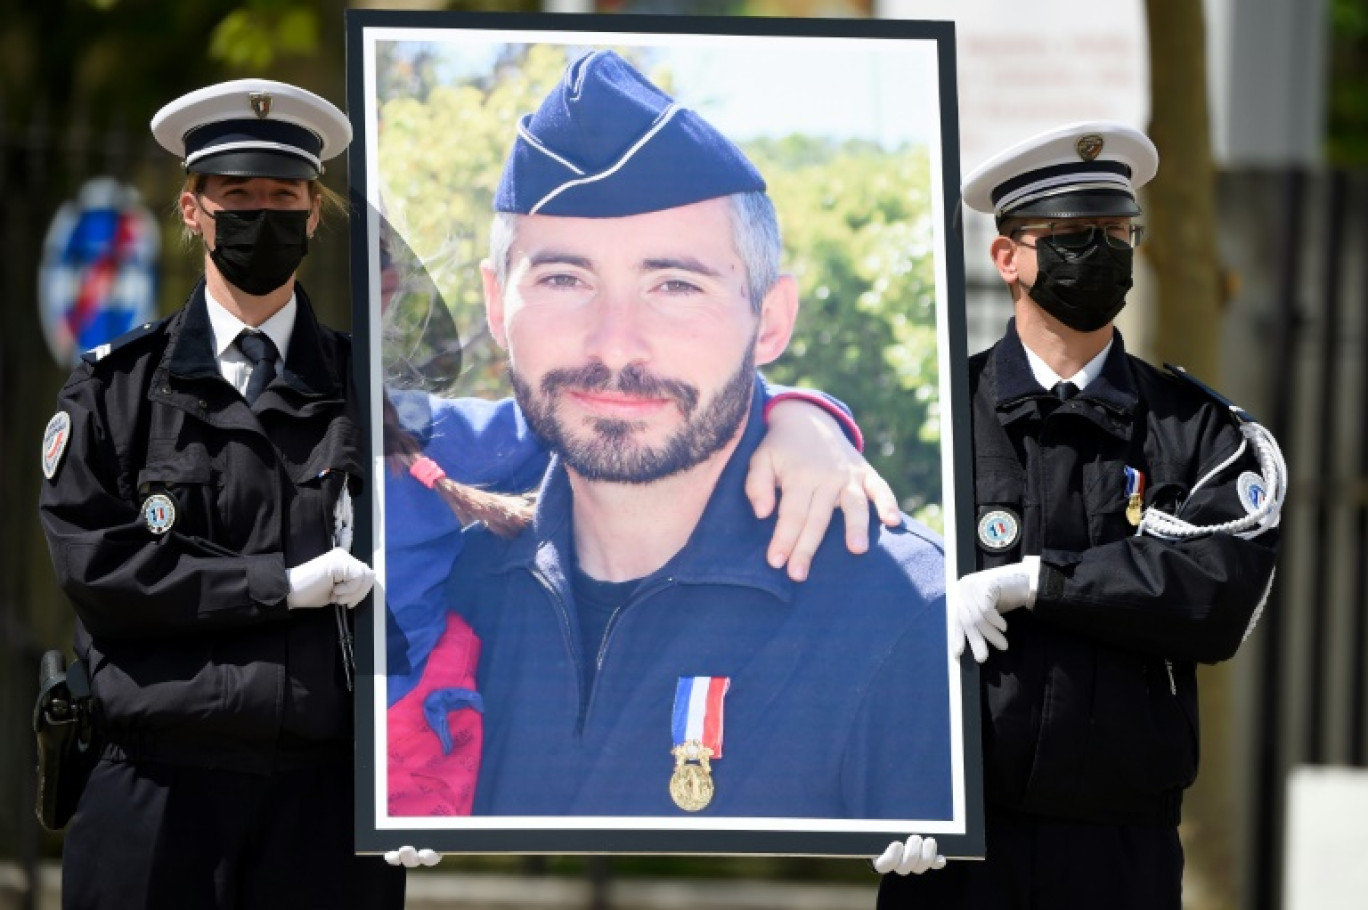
(55, 439)
(1253, 491)
(998, 529)
(159, 512)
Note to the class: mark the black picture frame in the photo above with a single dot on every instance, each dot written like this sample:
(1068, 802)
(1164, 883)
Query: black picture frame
(933, 99)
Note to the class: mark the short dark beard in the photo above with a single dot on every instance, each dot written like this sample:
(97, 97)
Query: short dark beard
(610, 455)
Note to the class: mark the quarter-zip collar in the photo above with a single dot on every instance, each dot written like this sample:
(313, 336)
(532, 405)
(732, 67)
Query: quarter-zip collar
(727, 547)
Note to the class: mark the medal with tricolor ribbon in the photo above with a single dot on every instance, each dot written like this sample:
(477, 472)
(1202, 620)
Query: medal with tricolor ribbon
(697, 728)
(1135, 496)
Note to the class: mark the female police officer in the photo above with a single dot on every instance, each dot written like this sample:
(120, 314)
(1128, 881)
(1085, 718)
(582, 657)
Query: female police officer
(191, 521)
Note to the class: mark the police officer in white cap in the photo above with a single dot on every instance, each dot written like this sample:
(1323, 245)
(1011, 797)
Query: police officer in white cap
(1126, 531)
(199, 474)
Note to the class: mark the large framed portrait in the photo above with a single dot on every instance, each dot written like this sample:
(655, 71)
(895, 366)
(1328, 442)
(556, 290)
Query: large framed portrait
(588, 253)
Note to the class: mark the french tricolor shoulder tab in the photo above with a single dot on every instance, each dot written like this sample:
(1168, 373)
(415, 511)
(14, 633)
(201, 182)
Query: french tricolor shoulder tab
(1183, 375)
(55, 439)
(99, 352)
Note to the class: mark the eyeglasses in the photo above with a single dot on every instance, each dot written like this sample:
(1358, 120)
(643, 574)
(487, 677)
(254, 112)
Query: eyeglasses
(1071, 235)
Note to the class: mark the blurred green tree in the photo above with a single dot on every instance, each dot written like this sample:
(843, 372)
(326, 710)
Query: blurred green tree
(857, 236)
(1347, 142)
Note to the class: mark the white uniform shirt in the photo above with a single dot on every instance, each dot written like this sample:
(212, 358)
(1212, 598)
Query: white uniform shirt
(1048, 378)
(233, 364)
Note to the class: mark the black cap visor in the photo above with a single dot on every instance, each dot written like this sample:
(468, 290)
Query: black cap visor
(1080, 204)
(256, 163)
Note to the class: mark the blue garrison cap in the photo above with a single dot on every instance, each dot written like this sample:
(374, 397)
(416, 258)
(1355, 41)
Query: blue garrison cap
(607, 143)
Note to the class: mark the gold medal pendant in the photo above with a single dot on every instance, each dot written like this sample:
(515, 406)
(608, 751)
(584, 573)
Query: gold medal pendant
(1135, 496)
(691, 785)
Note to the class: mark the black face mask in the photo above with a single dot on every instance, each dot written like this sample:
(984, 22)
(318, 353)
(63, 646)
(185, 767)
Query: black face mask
(1083, 288)
(258, 250)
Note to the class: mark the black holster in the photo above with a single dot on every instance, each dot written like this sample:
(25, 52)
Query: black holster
(66, 723)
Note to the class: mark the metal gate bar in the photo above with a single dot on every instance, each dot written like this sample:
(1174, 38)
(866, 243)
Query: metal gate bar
(1267, 776)
(1316, 670)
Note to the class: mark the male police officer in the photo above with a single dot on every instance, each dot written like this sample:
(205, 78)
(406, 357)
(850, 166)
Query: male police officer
(1126, 515)
(633, 278)
(199, 473)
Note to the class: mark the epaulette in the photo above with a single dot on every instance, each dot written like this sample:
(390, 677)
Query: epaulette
(1184, 376)
(99, 352)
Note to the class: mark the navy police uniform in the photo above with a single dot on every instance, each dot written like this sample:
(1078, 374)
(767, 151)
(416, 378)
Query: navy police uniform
(1090, 726)
(173, 510)
(578, 717)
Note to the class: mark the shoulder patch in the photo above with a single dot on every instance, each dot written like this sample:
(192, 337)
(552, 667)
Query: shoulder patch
(1184, 376)
(55, 439)
(1252, 490)
(98, 353)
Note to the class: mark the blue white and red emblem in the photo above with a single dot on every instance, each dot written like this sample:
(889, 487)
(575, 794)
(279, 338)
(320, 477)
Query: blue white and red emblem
(159, 513)
(998, 529)
(1253, 491)
(55, 439)
(698, 712)
(98, 276)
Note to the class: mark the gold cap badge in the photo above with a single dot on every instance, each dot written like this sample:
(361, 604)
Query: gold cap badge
(1089, 146)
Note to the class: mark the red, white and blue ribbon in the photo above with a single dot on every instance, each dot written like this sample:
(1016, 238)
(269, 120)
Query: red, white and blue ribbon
(698, 711)
(1135, 496)
(1135, 483)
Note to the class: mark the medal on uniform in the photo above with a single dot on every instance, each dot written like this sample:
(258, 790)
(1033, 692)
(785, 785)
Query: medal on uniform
(697, 728)
(1135, 496)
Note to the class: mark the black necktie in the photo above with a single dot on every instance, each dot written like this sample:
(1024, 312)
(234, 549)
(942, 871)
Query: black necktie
(1064, 390)
(261, 351)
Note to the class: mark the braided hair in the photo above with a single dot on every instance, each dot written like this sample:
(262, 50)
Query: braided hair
(506, 515)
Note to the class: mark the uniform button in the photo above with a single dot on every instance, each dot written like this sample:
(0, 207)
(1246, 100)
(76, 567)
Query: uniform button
(203, 404)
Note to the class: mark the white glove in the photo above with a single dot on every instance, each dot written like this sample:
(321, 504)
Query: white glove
(410, 858)
(911, 858)
(336, 577)
(983, 598)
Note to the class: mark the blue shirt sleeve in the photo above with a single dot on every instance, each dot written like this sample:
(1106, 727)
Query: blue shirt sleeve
(482, 443)
(476, 442)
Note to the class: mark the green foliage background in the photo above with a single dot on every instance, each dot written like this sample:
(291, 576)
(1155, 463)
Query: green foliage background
(856, 218)
(1347, 89)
